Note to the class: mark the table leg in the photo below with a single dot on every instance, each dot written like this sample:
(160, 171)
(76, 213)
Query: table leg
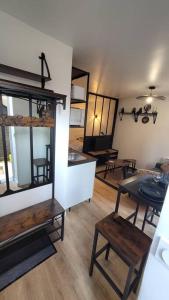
(43, 174)
(145, 217)
(136, 213)
(62, 228)
(38, 174)
(118, 201)
(106, 171)
(93, 252)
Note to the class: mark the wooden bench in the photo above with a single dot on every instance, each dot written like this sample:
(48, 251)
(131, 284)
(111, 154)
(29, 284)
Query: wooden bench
(48, 214)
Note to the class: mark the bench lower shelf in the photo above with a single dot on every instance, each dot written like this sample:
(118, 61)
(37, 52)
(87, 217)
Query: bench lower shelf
(23, 256)
(27, 237)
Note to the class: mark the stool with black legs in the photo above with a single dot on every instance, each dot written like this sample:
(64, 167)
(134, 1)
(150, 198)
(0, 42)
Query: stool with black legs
(129, 243)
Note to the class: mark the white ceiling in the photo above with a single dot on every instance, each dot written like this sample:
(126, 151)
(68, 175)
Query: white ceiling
(123, 43)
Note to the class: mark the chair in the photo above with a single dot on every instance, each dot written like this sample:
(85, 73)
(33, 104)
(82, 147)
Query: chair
(129, 243)
(132, 162)
(111, 165)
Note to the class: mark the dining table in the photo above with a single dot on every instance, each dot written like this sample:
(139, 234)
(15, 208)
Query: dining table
(131, 186)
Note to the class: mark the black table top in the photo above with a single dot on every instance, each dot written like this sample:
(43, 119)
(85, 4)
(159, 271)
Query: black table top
(131, 186)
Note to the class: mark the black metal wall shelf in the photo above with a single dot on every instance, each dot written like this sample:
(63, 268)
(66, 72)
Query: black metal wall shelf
(76, 126)
(20, 90)
(22, 73)
(77, 73)
(77, 101)
(29, 75)
(142, 112)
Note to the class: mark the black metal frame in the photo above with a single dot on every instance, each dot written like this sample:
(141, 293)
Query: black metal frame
(33, 95)
(76, 74)
(115, 112)
(25, 91)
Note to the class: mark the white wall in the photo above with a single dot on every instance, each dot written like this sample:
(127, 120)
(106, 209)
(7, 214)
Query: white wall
(20, 47)
(147, 143)
(156, 276)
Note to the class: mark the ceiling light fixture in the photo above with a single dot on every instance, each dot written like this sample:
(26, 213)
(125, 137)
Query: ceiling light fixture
(149, 98)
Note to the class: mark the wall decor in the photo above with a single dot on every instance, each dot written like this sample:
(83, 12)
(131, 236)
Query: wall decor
(144, 112)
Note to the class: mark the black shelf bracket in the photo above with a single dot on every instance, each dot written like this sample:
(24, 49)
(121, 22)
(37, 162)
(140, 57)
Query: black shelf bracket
(29, 75)
(44, 64)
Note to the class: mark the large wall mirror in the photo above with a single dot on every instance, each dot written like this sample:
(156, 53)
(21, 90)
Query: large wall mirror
(26, 152)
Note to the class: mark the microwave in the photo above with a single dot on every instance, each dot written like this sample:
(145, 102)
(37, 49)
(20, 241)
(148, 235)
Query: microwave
(77, 117)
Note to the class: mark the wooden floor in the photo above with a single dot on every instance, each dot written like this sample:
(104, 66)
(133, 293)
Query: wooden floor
(65, 275)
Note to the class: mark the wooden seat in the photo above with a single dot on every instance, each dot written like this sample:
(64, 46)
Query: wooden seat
(130, 244)
(132, 162)
(44, 164)
(110, 165)
(29, 219)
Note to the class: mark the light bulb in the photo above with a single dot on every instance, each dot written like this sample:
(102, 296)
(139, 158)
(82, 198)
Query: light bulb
(149, 100)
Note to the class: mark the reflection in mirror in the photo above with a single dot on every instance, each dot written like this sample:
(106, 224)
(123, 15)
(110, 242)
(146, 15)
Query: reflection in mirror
(2, 168)
(18, 145)
(41, 145)
(28, 152)
(20, 162)
(41, 154)
(16, 106)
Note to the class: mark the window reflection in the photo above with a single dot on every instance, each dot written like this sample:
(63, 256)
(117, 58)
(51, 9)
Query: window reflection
(27, 150)
(2, 167)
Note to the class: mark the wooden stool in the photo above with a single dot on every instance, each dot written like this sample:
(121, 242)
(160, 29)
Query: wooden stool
(44, 164)
(132, 162)
(110, 165)
(130, 243)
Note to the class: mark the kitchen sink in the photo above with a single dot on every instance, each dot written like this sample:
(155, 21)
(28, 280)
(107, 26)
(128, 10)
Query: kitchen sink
(74, 156)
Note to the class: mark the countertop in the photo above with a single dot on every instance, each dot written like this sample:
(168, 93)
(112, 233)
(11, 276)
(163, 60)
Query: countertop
(83, 161)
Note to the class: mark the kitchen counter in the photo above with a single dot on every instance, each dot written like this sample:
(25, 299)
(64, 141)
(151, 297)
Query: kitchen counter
(86, 158)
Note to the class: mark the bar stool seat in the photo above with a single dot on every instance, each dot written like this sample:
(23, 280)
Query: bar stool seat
(110, 165)
(129, 243)
(132, 162)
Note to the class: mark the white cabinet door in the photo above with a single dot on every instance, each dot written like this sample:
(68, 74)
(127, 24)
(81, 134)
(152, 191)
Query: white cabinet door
(80, 183)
